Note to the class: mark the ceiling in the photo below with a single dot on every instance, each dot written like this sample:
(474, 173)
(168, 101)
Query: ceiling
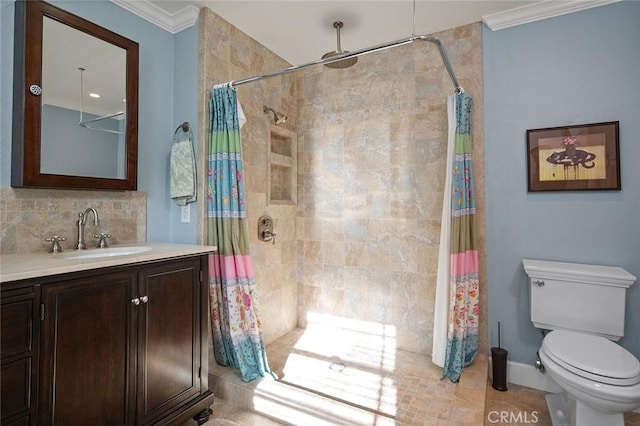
(302, 31)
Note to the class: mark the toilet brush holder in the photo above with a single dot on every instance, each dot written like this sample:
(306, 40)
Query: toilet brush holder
(499, 368)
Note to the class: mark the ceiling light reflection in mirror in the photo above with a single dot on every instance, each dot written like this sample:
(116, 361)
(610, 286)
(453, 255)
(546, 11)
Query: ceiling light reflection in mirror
(82, 135)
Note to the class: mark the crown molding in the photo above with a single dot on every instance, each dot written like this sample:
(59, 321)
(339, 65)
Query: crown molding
(173, 23)
(187, 16)
(539, 11)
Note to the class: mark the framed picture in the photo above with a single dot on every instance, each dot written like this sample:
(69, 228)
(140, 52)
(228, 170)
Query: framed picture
(574, 158)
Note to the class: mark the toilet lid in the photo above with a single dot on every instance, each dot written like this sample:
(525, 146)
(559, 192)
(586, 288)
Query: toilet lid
(593, 357)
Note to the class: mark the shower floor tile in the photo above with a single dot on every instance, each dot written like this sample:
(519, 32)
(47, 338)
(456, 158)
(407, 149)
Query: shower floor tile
(355, 375)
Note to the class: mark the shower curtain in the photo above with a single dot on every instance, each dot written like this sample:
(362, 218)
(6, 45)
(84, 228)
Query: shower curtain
(235, 319)
(456, 324)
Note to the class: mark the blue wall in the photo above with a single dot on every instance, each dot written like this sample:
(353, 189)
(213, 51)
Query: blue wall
(6, 89)
(167, 97)
(574, 69)
(185, 92)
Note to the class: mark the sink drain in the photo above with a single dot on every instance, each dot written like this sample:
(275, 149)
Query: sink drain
(337, 366)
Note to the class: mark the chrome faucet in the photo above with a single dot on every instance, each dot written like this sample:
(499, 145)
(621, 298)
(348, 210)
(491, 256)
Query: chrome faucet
(82, 220)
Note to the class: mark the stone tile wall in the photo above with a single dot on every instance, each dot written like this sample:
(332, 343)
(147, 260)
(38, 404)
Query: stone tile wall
(371, 150)
(226, 54)
(363, 241)
(28, 216)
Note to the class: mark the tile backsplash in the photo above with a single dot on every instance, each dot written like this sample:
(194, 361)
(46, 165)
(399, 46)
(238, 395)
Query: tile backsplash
(28, 216)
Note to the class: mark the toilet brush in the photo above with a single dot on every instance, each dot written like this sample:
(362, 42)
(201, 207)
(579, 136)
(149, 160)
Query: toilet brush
(499, 366)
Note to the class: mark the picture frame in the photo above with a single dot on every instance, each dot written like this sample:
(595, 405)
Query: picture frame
(574, 158)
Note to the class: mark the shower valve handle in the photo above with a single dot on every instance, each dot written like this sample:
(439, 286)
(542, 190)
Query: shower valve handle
(269, 235)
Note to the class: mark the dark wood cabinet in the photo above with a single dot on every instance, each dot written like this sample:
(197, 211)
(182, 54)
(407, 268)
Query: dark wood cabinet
(18, 354)
(88, 351)
(118, 346)
(168, 338)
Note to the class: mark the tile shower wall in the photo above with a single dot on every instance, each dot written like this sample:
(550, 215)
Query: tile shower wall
(226, 54)
(371, 149)
(28, 216)
(363, 241)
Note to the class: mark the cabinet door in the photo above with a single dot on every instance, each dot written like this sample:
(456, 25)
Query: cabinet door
(88, 351)
(168, 338)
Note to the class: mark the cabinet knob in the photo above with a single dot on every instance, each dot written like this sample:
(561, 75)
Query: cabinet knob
(539, 283)
(144, 299)
(135, 301)
(35, 89)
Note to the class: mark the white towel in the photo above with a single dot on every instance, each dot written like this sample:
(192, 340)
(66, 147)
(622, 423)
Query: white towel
(183, 173)
(241, 117)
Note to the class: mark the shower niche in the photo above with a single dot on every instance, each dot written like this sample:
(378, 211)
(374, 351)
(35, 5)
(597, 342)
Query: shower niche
(282, 166)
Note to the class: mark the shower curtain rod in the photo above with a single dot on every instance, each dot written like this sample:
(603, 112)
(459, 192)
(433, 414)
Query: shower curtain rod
(346, 55)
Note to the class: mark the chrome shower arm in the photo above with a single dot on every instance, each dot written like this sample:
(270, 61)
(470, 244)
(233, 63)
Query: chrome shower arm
(337, 25)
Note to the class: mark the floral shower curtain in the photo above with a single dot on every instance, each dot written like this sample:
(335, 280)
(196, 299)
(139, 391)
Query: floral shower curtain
(235, 319)
(463, 307)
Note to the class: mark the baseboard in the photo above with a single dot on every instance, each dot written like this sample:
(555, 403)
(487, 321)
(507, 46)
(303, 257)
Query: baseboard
(528, 376)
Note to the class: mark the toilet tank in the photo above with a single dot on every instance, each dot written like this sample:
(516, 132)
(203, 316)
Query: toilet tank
(578, 297)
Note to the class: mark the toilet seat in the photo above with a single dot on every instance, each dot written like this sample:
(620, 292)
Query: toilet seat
(592, 357)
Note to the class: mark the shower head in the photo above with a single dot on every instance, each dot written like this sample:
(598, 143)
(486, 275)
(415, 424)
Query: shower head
(345, 63)
(278, 117)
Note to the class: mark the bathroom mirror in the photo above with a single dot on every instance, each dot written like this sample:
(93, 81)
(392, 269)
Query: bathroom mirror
(75, 119)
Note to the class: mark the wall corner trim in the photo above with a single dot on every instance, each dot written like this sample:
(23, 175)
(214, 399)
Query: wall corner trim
(538, 11)
(171, 22)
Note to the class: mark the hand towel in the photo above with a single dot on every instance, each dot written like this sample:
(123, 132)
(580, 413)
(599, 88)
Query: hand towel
(241, 117)
(183, 173)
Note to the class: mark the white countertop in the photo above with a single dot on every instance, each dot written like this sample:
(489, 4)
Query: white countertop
(15, 267)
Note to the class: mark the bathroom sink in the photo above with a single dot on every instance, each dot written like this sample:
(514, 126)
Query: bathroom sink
(105, 252)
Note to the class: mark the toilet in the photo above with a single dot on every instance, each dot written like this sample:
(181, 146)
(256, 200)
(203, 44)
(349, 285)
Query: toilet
(583, 306)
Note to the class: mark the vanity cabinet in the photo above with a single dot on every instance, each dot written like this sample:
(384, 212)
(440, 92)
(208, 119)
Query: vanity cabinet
(123, 346)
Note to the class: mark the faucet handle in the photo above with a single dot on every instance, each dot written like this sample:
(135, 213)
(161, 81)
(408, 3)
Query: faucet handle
(55, 246)
(102, 239)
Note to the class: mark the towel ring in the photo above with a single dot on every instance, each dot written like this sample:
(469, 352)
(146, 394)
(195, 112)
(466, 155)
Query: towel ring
(186, 128)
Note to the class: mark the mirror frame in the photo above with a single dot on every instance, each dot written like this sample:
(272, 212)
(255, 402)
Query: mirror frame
(25, 164)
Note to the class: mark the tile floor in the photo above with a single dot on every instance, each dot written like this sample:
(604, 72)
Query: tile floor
(526, 400)
(331, 374)
(516, 399)
(350, 373)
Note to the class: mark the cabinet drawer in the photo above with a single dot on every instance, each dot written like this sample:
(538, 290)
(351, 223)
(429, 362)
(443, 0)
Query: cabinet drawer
(16, 328)
(22, 421)
(15, 392)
